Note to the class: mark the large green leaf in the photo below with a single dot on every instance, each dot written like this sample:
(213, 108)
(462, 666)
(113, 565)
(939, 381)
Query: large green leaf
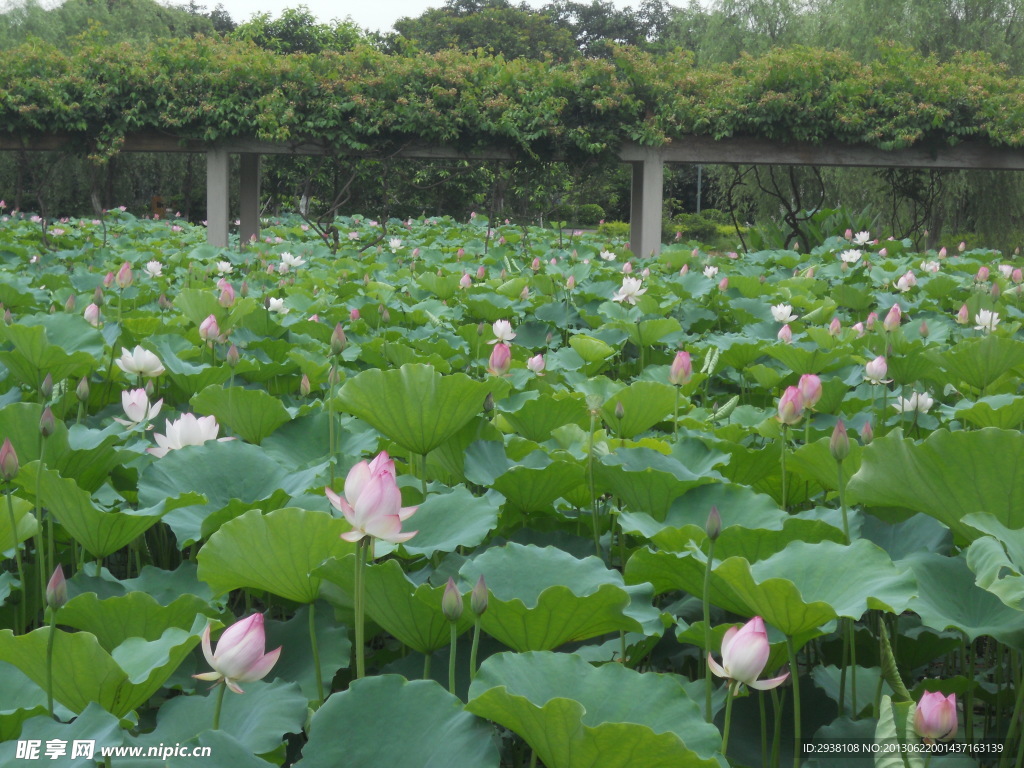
(575, 715)
(277, 552)
(536, 419)
(644, 404)
(980, 362)
(83, 672)
(389, 721)
(949, 475)
(542, 598)
(93, 724)
(33, 357)
(530, 484)
(415, 406)
(447, 521)
(251, 413)
(997, 559)
(25, 523)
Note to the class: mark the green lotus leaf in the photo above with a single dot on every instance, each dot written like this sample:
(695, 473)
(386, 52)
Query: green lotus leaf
(188, 377)
(800, 360)
(814, 462)
(575, 715)
(947, 476)
(1000, 411)
(979, 363)
(22, 700)
(997, 559)
(32, 356)
(83, 672)
(135, 614)
(411, 612)
(647, 333)
(949, 598)
(542, 598)
(447, 521)
(536, 419)
(896, 727)
(827, 678)
(93, 724)
(415, 406)
(197, 305)
(644, 404)
(25, 524)
(259, 719)
(590, 349)
(648, 481)
(251, 413)
(277, 552)
(435, 728)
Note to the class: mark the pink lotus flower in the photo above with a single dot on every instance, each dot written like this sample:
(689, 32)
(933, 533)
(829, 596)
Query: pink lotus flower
(536, 364)
(791, 406)
(465, 281)
(874, 371)
(810, 389)
(209, 330)
(745, 652)
(124, 276)
(92, 315)
(372, 503)
(982, 275)
(785, 334)
(570, 282)
(935, 717)
(681, 369)
(501, 359)
(240, 656)
(893, 319)
(227, 293)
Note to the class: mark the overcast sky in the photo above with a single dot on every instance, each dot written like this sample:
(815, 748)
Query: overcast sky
(370, 14)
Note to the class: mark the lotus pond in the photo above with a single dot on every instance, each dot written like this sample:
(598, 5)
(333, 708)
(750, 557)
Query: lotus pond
(458, 494)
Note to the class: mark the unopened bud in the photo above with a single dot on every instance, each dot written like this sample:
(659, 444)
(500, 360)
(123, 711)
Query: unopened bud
(867, 434)
(489, 403)
(232, 356)
(46, 388)
(56, 589)
(8, 460)
(620, 411)
(451, 602)
(478, 599)
(338, 340)
(82, 390)
(839, 443)
(304, 386)
(713, 527)
(47, 422)
(97, 297)
(69, 305)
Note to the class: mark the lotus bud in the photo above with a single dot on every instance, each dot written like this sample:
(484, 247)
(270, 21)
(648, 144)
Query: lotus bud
(839, 444)
(304, 386)
(460, 253)
(570, 282)
(478, 599)
(333, 377)
(681, 370)
(69, 305)
(525, 293)
(627, 268)
(82, 390)
(8, 461)
(684, 269)
(893, 318)
(982, 274)
(385, 316)
(791, 406)
(481, 272)
(536, 364)
(785, 334)
(92, 315)
(209, 330)
(232, 357)
(942, 252)
(124, 276)
(835, 327)
(923, 330)
(46, 388)
(465, 281)
(451, 602)
(713, 527)
(867, 434)
(47, 422)
(489, 402)
(1017, 276)
(501, 359)
(723, 284)
(870, 321)
(935, 716)
(620, 411)
(810, 389)
(108, 279)
(962, 247)
(56, 589)
(243, 289)
(963, 316)
(227, 294)
(480, 328)
(884, 252)
(338, 340)
(8, 317)
(859, 329)
(995, 291)
(353, 314)
(848, 234)
(535, 264)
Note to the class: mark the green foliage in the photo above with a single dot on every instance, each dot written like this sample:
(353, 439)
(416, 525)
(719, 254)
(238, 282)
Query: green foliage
(296, 31)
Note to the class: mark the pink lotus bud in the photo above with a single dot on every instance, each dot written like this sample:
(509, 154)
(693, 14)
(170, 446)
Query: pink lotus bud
(451, 601)
(681, 370)
(124, 276)
(163, 302)
(243, 291)
(785, 334)
(69, 305)
(835, 327)
(47, 422)
(570, 282)
(501, 359)
(867, 434)
(92, 315)
(872, 318)
(695, 253)
(875, 370)
(232, 357)
(239, 657)
(893, 319)
(304, 386)
(465, 281)
(942, 252)
(209, 330)
(525, 293)
(935, 717)
(810, 389)
(839, 443)
(963, 316)
(82, 390)
(338, 340)
(227, 294)
(478, 600)
(353, 314)
(713, 526)
(9, 464)
(723, 284)
(108, 279)
(791, 406)
(627, 268)
(46, 388)
(859, 328)
(923, 330)
(385, 316)
(996, 290)
(535, 264)
(536, 364)
(503, 274)
(848, 234)
(1017, 276)
(962, 247)
(982, 275)
(460, 253)
(56, 589)
(745, 653)
(884, 252)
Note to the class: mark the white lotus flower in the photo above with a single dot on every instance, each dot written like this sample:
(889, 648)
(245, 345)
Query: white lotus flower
(918, 401)
(631, 288)
(710, 271)
(277, 305)
(503, 333)
(906, 282)
(140, 362)
(862, 238)
(395, 243)
(224, 267)
(187, 430)
(783, 313)
(288, 261)
(154, 268)
(986, 320)
(137, 408)
(930, 266)
(852, 256)
(607, 255)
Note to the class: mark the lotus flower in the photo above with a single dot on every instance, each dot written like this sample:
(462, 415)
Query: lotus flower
(874, 371)
(986, 320)
(56, 589)
(154, 268)
(632, 287)
(501, 360)
(124, 276)
(810, 389)
(187, 430)
(465, 281)
(607, 255)
(709, 271)
(783, 313)
(745, 652)
(224, 267)
(240, 656)
(277, 305)
(893, 318)
(921, 402)
(502, 330)
(9, 464)
(92, 315)
(906, 282)
(372, 503)
(536, 364)
(851, 256)
(862, 238)
(681, 369)
(935, 717)
(288, 261)
(791, 406)
(209, 330)
(140, 362)
(785, 334)
(137, 408)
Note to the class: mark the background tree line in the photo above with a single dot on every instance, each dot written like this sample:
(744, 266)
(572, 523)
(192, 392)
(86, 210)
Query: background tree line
(987, 205)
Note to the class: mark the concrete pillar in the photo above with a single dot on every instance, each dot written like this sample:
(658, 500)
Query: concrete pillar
(217, 197)
(249, 197)
(645, 204)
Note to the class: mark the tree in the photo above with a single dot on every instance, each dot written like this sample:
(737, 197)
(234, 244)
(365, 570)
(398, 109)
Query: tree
(296, 30)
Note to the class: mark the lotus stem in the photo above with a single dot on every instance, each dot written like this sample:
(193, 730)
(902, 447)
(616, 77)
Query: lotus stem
(316, 655)
(782, 462)
(17, 558)
(49, 661)
(451, 658)
(426, 666)
(728, 718)
(842, 502)
(1011, 733)
(795, 676)
(967, 650)
(844, 631)
(764, 728)
(706, 600)
(360, 606)
(590, 483)
(474, 648)
(220, 703)
(675, 419)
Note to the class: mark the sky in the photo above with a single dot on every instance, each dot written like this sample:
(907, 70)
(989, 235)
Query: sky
(369, 14)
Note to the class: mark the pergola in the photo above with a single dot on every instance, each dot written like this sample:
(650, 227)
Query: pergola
(647, 164)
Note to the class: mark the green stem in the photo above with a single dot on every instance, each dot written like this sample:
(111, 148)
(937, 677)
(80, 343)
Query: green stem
(675, 419)
(852, 628)
(968, 651)
(706, 599)
(316, 655)
(1014, 722)
(474, 648)
(220, 703)
(330, 421)
(426, 666)
(842, 502)
(17, 559)
(794, 672)
(782, 462)
(364, 544)
(728, 717)
(451, 658)
(764, 728)
(49, 662)
(590, 482)
(843, 630)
